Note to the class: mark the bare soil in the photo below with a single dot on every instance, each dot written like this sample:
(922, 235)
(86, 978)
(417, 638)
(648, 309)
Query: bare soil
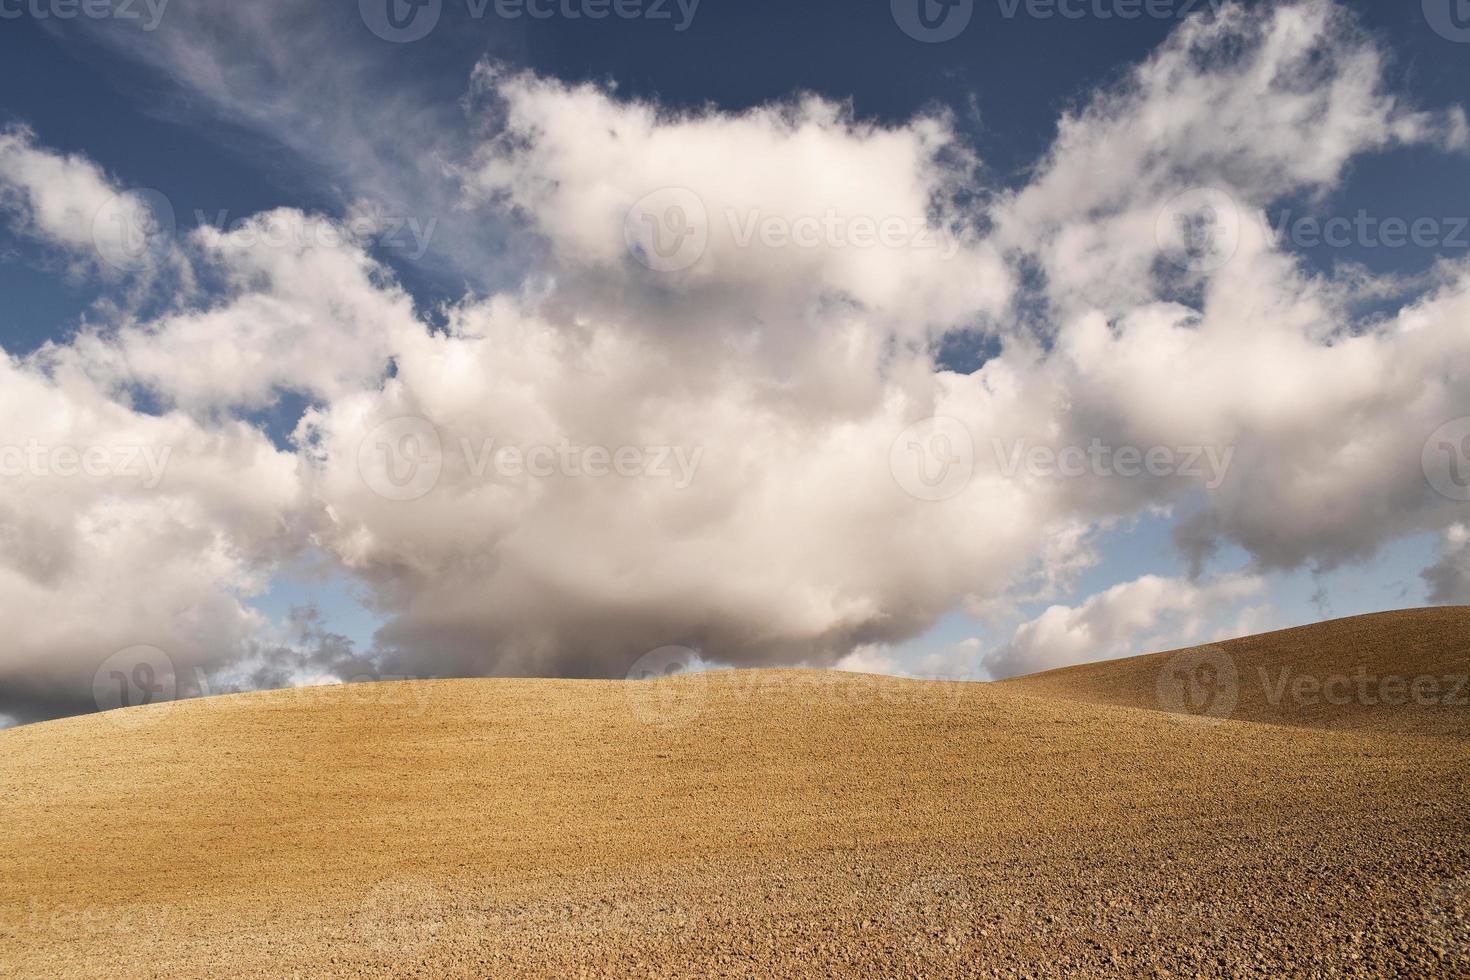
(759, 823)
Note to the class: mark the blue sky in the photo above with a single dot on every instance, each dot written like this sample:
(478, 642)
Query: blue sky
(231, 115)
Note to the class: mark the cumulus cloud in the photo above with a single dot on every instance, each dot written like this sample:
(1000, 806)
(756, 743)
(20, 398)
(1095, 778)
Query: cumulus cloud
(1253, 103)
(66, 201)
(124, 528)
(300, 308)
(1149, 613)
(954, 661)
(56, 196)
(792, 204)
(746, 445)
(1449, 577)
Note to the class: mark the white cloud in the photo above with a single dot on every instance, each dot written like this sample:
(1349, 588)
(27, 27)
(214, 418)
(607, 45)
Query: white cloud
(1258, 102)
(105, 231)
(784, 373)
(788, 196)
(1149, 613)
(56, 197)
(121, 528)
(954, 661)
(303, 309)
(263, 67)
(1449, 577)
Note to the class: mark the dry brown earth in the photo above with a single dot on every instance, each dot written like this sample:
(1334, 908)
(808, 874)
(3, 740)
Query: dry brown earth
(761, 823)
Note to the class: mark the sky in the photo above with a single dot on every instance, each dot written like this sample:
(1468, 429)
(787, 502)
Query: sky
(437, 338)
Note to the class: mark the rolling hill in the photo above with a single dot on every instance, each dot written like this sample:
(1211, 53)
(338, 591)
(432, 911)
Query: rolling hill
(760, 823)
(1406, 671)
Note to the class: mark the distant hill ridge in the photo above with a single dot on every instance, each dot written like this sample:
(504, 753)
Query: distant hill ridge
(1406, 671)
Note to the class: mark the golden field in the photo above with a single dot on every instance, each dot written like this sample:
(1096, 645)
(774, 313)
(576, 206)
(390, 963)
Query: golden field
(767, 823)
